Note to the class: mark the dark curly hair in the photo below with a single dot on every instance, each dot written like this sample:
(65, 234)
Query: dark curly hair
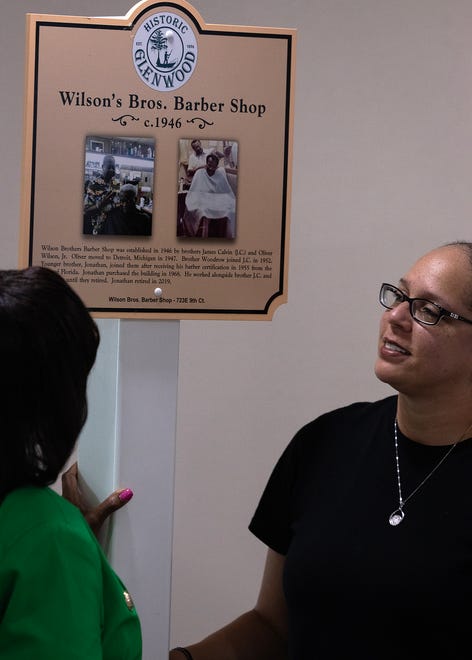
(48, 345)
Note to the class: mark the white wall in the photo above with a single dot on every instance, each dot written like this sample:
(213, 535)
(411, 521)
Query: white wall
(382, 172)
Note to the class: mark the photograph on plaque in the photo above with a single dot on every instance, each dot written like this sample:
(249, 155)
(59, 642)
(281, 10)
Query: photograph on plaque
(208, 186)
(118, 186)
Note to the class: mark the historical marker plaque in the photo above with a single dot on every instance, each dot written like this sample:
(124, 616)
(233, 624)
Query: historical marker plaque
(157, 161)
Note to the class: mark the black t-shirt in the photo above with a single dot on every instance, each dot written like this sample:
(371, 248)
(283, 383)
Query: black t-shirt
(355, 586)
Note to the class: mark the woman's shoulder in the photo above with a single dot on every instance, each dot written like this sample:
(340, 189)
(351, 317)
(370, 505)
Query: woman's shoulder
(346, 423)
(39, 511)
(355, 412)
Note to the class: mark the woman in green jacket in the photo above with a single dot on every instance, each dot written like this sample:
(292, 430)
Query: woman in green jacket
(59, 597)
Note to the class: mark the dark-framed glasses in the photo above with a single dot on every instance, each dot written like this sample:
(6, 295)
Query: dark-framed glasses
(424, 311)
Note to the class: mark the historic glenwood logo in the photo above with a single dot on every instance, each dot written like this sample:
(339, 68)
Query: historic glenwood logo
(165, 51)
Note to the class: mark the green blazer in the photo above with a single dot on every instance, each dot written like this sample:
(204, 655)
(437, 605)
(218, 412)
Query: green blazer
(59, 597)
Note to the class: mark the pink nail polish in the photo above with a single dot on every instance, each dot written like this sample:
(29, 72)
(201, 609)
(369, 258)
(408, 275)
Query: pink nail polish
(126, 495)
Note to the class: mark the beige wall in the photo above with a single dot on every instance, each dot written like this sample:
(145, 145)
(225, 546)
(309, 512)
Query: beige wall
(382, 172)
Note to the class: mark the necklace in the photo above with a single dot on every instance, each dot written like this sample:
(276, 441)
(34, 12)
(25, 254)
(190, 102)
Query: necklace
(397, 516)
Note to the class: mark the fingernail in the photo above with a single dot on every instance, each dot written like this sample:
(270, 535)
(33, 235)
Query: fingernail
(126, 495)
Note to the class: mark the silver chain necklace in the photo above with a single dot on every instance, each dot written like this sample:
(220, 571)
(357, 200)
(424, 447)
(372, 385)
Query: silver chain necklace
(397, 516)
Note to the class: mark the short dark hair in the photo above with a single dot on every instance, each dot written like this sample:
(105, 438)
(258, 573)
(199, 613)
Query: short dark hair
(108, 158)
(466, 247)
(48, 345)
(213, 157)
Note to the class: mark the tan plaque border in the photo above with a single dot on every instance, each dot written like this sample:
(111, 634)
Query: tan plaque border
(157, 162)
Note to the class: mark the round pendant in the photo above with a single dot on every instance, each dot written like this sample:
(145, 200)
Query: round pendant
(396, 517)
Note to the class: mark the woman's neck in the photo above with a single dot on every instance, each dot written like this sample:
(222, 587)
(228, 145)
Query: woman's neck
(430, 422)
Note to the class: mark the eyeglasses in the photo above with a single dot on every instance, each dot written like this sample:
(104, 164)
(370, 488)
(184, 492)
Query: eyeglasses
(424, 311)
